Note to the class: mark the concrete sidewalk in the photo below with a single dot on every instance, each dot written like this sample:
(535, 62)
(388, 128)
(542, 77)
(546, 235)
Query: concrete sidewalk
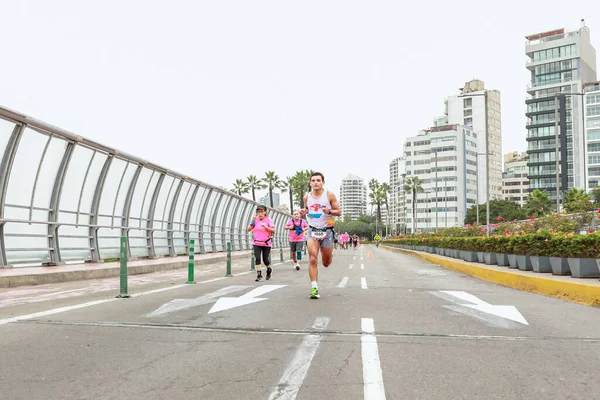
(25, 276)
(583, 291)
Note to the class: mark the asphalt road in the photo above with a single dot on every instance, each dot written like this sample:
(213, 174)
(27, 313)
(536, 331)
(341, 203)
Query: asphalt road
(387, 326)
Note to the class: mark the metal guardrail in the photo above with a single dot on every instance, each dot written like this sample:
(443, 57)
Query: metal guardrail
(66, 198)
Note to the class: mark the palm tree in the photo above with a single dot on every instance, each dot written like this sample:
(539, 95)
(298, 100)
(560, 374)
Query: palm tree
(291, 182)
(373, 185)
(577, 200)
(254, 184)
(414, 186)
(538, 203)
(240, 187)
(302, 185)
(272, 182)
(385, 190)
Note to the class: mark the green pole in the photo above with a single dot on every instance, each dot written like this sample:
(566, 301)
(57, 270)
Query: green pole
(191, 263)
(123, 274)
(229, 260)
(280, 250)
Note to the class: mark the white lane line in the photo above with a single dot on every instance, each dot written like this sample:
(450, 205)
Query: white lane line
(293, 377)
(54, 311)
(351, 266)
(361, 258)
(363, 283)
(354, 258)
(372, 375)
(343, 282)
(362, 266)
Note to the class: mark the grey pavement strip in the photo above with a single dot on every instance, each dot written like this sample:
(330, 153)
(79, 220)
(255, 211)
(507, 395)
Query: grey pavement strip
(324, 332)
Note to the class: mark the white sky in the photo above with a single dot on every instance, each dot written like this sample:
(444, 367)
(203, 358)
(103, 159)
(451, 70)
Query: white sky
(220, 90)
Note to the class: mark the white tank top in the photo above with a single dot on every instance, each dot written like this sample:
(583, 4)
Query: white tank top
(316, 217)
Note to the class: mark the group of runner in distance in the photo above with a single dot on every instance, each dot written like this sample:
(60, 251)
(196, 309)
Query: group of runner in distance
(320, 208)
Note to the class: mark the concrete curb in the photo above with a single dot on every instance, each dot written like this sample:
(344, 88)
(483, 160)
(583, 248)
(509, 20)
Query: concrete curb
(78, 275)
(577, 292)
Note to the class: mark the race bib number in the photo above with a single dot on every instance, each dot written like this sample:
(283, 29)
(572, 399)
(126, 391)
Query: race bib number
(318, 235)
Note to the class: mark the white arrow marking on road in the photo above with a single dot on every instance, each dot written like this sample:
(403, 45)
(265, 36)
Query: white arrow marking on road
(225, 303)
(508, 312)
(351, 266)
(182, 304)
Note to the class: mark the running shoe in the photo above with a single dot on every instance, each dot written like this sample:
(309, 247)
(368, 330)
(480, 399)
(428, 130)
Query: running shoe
(314, 293)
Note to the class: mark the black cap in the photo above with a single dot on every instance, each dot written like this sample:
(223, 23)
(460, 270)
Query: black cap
(261, 207)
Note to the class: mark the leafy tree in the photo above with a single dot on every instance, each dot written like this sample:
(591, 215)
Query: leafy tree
(302, 185)
(290, 183)
(596, 196)
(385, 192)
(414, 185)
(272, 182)
(577, 200)
(240, 187)
(254, 184)
(538, 203)
(500, 210)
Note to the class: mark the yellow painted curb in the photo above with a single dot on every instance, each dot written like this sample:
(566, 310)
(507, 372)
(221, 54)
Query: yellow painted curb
(573, 291)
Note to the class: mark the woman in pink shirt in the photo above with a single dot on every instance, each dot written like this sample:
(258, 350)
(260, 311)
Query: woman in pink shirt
(262, 228)
(297, 228)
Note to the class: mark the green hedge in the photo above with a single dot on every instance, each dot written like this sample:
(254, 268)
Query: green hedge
(539, 244)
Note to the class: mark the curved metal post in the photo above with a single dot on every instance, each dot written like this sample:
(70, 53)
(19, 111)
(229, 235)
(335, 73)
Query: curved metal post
(53, 243)
(188, 218)
(92, 230)
(201, 220)
(5, 167)
(242, 225)
(150, 220)
(127, 208)
(213, 221)
(170, 242)
(232, 230)
(224, 221)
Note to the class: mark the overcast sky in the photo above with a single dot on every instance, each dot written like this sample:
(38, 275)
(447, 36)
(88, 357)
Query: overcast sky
(220, 90)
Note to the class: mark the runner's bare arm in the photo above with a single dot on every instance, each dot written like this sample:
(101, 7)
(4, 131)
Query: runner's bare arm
(304, 210)
(335, 206)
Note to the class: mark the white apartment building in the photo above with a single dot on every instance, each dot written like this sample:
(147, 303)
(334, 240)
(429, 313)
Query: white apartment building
(397, 200)
(444, 158)
(353, 197)
(559, 62)
(515, 184)
(480, 108)
(592, 133)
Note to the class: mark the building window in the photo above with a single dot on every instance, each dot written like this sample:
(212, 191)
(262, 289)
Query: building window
(468, 102)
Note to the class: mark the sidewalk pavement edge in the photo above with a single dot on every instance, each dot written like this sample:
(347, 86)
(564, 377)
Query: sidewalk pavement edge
(577, 292)
(101, 273)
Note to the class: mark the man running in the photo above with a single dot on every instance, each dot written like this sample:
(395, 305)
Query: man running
(320, 206)
(297, 228)
(262, 228)
(355, 240)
